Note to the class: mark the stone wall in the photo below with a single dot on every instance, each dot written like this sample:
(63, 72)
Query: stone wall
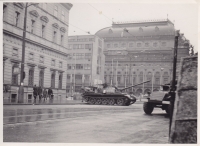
(184, 121)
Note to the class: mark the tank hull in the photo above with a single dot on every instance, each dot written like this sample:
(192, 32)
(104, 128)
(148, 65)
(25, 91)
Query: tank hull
(109, 99)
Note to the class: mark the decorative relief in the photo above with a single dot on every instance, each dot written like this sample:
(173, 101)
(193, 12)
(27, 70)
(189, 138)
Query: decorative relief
(34, 13)
(44, 18)
(63, 29)
(19, 5)
(55, 25)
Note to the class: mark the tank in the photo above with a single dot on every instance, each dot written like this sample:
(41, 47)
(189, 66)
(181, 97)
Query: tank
(104, 94)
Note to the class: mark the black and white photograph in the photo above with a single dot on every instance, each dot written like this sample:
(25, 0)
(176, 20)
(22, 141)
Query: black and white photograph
(100, 72)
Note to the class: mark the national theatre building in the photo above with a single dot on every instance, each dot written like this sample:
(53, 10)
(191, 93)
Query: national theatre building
(141, 51)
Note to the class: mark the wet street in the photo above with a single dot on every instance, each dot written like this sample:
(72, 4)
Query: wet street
(87, 124)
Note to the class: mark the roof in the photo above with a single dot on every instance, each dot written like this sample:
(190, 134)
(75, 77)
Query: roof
(145, 28)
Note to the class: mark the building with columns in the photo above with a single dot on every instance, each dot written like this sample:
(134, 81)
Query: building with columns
(141, 51)
(86, 65)
(46, 48)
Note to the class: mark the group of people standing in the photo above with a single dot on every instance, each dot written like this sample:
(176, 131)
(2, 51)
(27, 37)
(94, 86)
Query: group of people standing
(42, 93)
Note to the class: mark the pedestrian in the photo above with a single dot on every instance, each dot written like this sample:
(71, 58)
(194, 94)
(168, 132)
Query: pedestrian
(40, 93)
(45, 94)
(35, 93)
(50, 92)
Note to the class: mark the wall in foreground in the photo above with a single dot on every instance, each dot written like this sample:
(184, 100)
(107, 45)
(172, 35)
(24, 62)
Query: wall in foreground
(184, 121)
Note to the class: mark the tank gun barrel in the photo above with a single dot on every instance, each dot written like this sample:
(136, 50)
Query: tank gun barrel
(134, 85)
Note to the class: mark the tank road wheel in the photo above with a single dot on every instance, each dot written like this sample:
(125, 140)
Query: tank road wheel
(148, 108)
(98, 101)
(104, 101)
(111, 101)
(86, 99)
(92, 101)
(120, 101)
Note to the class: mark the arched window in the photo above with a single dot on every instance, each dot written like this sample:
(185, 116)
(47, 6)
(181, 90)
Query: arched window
(41, 78)
(60, 81)
(31, 77)
(149, 77)
(15, 72)
(53, 80)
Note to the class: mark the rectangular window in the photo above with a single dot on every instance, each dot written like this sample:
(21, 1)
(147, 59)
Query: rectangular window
(88, 46)
(81, 46)
(138, 44)
(118, 79)
(131, 45)
(17, 16)
(15, 76)
(79, 66)
(108, 45)
(4, 11)
(54, 36)
(155, 44)
(41, 59)
(157, 81)
(87, 66)
(63, 16)
(69, 66)
(15, 52)
(60, 81)
(87, 55)
(146, 44)
(52, 62)
(55, 11)
(60, 64)
(163, 43)
(61, 40)
(43, 31)
(75, 46)
(32, 26)
(70, 46)
(31, 56)
(98, 70)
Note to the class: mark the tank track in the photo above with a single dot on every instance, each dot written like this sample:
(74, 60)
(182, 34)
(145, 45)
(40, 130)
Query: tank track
(107, 101)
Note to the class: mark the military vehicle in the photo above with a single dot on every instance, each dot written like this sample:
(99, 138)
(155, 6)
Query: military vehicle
(108, 95)
(158, 99)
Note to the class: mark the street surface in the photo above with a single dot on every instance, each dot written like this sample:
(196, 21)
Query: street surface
(90, 124)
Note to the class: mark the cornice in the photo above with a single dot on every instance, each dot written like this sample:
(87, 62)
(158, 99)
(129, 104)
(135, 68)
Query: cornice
(31, 64)
(15, 60)
(41, 66)
(68, 6)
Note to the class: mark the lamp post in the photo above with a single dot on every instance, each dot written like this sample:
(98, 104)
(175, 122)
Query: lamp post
(152, 80)
(22, 73)
(112, 68)
(75, 74)
(161, 69)
(173, 89)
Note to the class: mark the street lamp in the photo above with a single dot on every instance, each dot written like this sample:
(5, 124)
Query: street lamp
(112, 68)
(22, 74)
(152, 80)
(161, 69)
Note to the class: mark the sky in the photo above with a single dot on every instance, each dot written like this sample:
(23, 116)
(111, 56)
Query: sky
(84, 17)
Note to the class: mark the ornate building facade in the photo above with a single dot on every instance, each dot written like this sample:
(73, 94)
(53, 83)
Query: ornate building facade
(45, 49)
(140, 51)
(86, 64)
